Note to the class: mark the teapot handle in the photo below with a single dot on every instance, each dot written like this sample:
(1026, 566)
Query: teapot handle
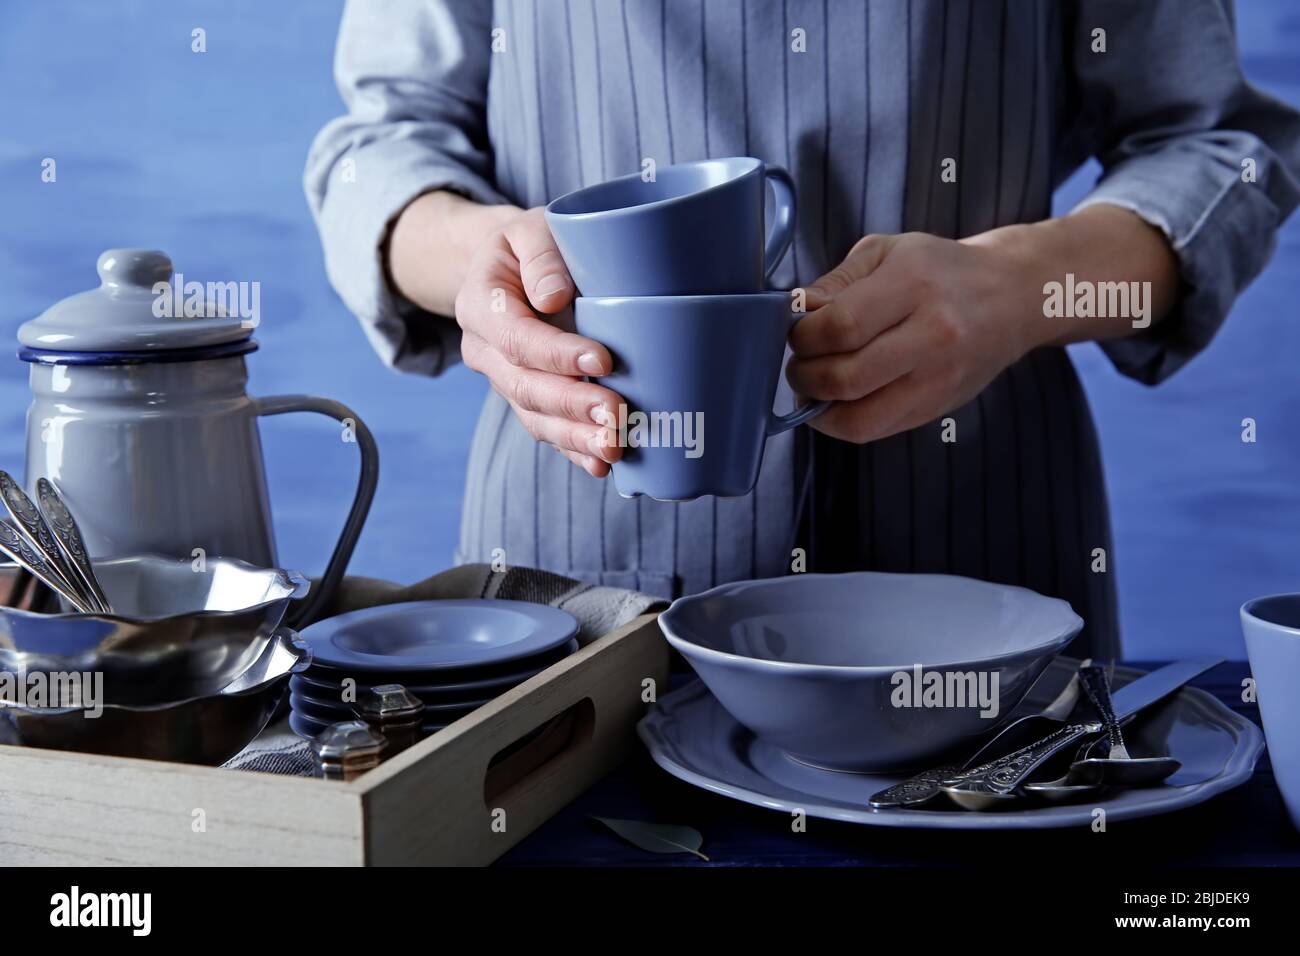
(308, 610)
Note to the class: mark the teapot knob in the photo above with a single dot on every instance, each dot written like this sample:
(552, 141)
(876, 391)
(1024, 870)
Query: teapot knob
(133, 267)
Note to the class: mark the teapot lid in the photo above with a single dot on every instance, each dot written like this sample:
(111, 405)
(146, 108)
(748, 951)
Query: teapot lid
(139, 308)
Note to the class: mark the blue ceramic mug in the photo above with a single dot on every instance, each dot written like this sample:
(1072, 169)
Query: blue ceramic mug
(1271, 626)
(695, 228)
(698, 374)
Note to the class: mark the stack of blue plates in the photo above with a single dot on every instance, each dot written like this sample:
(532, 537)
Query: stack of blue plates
(454, 655)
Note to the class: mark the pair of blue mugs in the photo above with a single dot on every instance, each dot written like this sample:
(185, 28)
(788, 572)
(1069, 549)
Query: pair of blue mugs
(670, 269)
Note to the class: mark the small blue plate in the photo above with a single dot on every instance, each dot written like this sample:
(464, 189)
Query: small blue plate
(317, 685)
(438, 635)
(309, 727)
(322, 707)
(457, 681)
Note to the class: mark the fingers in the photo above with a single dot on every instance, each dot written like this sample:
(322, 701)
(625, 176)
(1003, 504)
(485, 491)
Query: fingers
(863, 259)
(542, 271)
(539, 391)
(592, 466)
(887, 411)
(845, 377)
(572, 415)
(572, 438)
(498, 314)
(854, 317)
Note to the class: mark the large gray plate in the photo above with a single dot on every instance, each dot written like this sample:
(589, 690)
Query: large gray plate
(692, 737)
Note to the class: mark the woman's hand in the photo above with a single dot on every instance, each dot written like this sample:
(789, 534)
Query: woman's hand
(496, 268)
(515, 274)
(909, 327)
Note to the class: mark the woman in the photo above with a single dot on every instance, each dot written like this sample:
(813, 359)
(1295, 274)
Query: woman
(926, 139)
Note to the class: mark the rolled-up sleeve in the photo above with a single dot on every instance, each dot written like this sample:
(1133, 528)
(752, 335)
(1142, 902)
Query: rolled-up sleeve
(413, 76)
(1187, 144)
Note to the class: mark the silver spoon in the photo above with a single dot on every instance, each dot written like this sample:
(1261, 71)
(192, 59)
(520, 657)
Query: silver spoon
(1118, 769)
(1062, 790)
(1086, 774)
(995, 785)
(1071, 786)
(19, 549)
(70, 541)
(925, 786)
(29, 522)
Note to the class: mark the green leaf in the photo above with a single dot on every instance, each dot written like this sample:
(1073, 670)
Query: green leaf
(657, 837)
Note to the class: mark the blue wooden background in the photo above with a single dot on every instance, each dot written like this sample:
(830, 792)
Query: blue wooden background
(201, 155)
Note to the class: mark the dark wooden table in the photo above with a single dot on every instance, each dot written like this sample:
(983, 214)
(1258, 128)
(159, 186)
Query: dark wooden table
(1247, 826)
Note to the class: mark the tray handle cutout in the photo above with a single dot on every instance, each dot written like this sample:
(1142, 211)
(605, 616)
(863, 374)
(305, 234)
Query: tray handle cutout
(513, 766)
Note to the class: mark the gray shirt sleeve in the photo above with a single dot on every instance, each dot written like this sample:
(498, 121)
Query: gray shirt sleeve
(1187, 144)
(413, 76)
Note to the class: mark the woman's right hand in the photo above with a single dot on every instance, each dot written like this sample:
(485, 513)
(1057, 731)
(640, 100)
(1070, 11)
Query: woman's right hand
(515, 278)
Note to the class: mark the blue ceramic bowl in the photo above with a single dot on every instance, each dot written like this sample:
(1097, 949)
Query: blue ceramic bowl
(1271, 626)
(869, 671)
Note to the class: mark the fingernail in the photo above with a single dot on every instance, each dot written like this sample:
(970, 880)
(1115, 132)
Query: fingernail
(549, 285)
(598, 444)
(590, 363)
(599, 415)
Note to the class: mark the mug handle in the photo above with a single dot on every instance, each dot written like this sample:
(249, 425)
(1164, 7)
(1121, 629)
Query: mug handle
(306, 612)
(782, 233)
(776, 424)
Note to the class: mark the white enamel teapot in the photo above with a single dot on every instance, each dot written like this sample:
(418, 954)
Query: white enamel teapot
(140, 417)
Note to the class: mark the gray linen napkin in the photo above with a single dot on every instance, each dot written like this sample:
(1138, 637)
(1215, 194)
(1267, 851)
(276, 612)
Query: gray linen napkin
(599, 610)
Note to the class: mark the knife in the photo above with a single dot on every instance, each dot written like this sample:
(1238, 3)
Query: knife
(1159, 684)
(992, 783)
(1128, 700)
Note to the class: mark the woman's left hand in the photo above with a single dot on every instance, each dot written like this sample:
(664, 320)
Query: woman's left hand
(906, 328)
(909, 327)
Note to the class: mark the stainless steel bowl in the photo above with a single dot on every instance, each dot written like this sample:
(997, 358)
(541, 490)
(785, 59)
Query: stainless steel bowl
(178, 633)
(204, 730)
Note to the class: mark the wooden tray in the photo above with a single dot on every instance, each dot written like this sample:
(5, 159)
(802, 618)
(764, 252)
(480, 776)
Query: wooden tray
(460, 797)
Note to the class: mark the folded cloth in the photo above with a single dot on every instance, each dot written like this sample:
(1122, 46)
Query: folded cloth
(599, 610)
